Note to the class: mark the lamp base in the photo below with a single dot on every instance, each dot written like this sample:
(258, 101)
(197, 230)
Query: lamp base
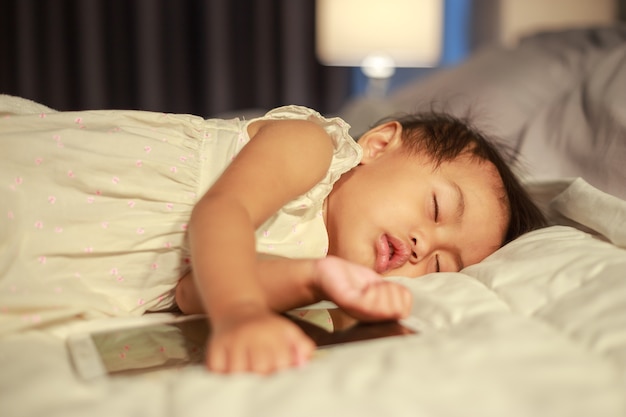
(378, 68)
(377, 87)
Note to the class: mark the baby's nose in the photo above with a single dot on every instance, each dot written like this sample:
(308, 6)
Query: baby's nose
(420, 248)
(422, 244)
(414, 258)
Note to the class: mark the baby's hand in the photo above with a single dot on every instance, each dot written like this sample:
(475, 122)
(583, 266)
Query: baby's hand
(361, 292)
(261, 342)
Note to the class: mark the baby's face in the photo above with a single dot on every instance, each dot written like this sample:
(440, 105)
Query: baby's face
(400, 216)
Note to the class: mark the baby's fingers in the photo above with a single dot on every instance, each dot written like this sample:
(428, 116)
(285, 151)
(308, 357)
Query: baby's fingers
(269, 351)
(217, 358)
(387, 301)
(276, 358)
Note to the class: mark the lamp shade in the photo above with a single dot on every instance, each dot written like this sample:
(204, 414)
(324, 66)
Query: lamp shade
(407, 32)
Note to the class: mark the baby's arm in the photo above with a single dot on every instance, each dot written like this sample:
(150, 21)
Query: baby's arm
(283, 159)
(286, 283)
(291, 283)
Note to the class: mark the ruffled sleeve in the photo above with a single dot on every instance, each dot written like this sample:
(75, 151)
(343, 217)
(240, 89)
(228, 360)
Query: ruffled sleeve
(347, 154)
(297, 230)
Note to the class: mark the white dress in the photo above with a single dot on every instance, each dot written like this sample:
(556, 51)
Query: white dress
(95, 205)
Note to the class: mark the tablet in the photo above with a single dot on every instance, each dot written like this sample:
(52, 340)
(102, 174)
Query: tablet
(182, 341)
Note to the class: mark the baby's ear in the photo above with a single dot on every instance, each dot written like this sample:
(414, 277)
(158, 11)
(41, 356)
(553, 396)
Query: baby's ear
(376, 141)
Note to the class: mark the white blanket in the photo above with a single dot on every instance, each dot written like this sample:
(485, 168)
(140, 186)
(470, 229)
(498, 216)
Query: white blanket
(537, 329)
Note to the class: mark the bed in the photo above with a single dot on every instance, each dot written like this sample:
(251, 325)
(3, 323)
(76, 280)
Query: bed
(536, 329)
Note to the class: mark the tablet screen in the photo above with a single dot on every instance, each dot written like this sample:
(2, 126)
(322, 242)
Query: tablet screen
(183, 341)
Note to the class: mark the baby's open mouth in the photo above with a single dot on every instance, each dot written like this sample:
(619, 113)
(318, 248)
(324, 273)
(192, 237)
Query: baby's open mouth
(391, 253)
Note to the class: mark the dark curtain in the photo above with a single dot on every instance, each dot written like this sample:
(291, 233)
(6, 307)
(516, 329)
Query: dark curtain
(204, 57)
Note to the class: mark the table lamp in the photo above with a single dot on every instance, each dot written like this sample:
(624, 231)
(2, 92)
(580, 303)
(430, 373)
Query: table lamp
(379, 36)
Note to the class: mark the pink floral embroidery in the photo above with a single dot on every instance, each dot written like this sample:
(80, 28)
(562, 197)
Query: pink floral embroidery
(33, 318)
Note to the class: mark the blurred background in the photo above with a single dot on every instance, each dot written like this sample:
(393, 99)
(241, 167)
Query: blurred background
(215, 57)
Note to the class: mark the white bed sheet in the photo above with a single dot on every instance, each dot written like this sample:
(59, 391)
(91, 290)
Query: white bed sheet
(537, 329)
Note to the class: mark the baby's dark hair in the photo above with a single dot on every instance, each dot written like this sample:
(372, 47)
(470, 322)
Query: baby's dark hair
(445, 137)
